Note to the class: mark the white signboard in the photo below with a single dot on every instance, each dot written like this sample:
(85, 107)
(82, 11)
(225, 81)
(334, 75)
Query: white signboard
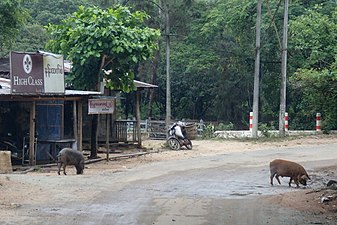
(101, 106)
(53, 72)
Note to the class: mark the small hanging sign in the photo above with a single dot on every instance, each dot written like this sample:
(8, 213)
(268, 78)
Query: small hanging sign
(101, 106)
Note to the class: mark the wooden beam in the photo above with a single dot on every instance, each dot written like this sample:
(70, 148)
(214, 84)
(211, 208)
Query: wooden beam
(75, 126)
(32, 150)
(28, 98)
(139, 135)
(79, 126)
(107, 140)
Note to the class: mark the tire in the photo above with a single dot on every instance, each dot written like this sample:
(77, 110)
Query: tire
(188, 144)
(173, 143)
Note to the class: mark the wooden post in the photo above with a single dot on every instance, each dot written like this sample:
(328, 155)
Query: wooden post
(107, 141)
(79, 126)
(32, 150)
(75, 124)
(138, 118)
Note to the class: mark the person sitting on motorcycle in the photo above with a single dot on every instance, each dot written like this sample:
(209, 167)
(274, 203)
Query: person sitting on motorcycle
(179, 129)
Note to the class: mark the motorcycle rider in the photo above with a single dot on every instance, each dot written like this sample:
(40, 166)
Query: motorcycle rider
(178, 136)
(178, 129)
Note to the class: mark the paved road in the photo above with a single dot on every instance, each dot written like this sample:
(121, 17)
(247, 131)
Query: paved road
(221, 189)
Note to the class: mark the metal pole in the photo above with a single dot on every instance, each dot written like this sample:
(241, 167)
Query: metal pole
(284, 70)
(257, 72)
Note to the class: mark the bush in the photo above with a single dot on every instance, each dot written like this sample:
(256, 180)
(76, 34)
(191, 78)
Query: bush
(208, 131)
(265, 128)
(223, 126)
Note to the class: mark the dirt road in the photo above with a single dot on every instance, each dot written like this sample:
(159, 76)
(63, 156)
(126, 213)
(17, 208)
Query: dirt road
(218, 182)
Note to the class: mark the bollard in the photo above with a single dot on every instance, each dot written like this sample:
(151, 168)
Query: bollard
(318, 122)
(5, 162)
(251, 121)
(286, 118)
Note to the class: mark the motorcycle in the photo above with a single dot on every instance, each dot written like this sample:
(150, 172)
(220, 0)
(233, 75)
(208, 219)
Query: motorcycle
(177, 137)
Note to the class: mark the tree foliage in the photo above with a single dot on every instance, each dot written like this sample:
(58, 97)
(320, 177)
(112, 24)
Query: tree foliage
(314, 51)
(53, 12)
(209, 70)
(12, 17)
(95, 39)
(212, 56)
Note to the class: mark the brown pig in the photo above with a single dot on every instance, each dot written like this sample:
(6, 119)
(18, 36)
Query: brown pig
(284, 168)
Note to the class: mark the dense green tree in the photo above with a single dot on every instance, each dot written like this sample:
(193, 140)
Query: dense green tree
(209, 69)
(32, 37)
(212, 57)
(12, 17)
(313, 59)
(229, 33)
(95, 39)
(54, 11)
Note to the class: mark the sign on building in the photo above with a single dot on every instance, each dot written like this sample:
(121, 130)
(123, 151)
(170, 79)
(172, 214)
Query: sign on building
(53, 72)
(101, 106)
(36, 73)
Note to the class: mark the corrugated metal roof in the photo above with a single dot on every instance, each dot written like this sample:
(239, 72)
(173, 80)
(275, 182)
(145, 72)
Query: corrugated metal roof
(78, 92)
(137, 83)
(6, 85)
(140, 84)
(6, 90)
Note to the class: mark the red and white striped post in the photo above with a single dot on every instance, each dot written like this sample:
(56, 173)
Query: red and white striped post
(251, 121)
(286, 119)
(318, 122)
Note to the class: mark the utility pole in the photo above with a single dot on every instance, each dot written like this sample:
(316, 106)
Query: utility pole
(257, 71)
(168, 80)
(284, 71)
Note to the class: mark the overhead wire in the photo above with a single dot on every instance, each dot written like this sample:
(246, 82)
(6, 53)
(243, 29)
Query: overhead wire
(272, 22)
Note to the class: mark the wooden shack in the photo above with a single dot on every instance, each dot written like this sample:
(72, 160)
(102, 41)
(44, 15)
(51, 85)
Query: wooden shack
(38, 116)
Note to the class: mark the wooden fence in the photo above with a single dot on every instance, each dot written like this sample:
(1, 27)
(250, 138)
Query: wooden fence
(126, 130)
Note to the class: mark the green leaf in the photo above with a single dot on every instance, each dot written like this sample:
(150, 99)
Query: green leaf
(91, 32)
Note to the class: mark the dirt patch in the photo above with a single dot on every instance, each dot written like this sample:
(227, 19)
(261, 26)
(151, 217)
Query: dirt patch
(304, 199)
(322, 200)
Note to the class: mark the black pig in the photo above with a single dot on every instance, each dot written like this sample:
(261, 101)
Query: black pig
(68, 156)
